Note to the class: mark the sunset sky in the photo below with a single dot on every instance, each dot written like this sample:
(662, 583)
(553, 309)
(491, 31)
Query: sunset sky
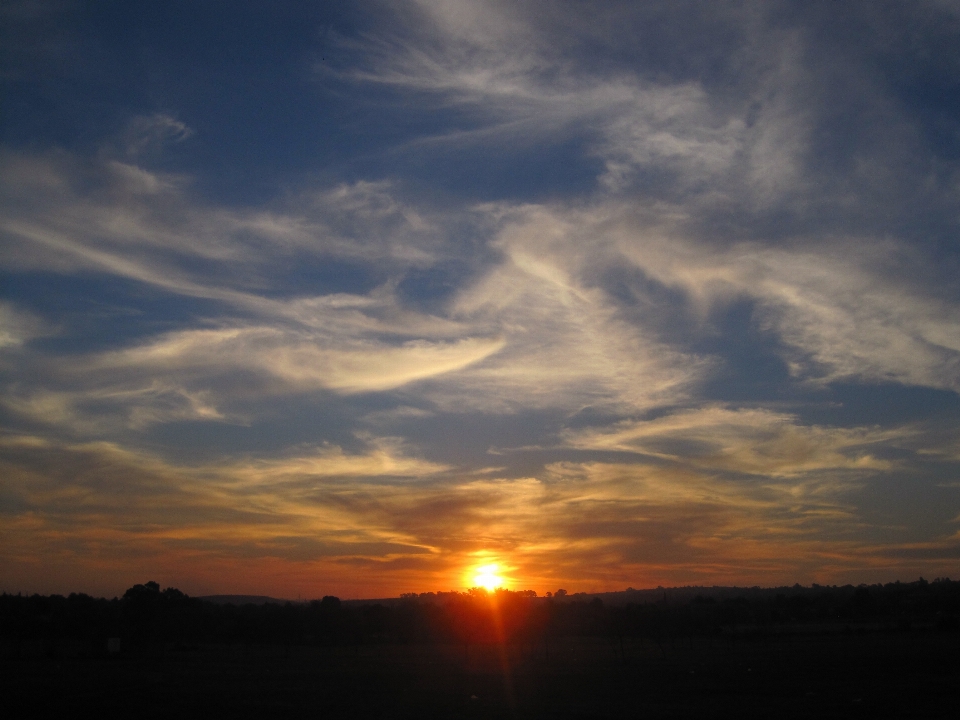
(354, 298)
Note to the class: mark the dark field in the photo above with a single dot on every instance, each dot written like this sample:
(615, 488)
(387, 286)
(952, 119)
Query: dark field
(875, 673)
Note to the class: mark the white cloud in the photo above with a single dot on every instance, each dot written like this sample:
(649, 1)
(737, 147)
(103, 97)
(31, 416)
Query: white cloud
(300, 361)
(64, 213)
(98, 406)
(18, 326)
(564, 345)
(756, 441)
(506, 67)
(190, 375)
(537, 330)
(386, 457)
(836, 307)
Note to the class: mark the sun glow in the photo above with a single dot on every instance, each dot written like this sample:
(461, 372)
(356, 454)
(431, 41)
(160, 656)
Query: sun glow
(486, 576)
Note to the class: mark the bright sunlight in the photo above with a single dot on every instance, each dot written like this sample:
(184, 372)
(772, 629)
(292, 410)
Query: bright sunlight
(485, 576)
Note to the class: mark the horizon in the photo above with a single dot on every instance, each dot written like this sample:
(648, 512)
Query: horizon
(356, 298)
(560, 593)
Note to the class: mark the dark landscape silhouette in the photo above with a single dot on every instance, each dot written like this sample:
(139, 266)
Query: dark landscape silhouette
(880, 650)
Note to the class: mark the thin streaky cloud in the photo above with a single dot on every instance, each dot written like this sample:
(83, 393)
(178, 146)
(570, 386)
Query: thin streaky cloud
(611, 294)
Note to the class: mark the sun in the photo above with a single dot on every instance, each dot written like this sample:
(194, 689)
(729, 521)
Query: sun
(486, 576)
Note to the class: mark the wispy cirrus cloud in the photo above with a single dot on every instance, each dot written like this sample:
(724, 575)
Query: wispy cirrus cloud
(687, 271)
(754, 441)
(503, 66)
(190, 375)
(118, 217)
(103, 503)
(838, 314)
(106, 504)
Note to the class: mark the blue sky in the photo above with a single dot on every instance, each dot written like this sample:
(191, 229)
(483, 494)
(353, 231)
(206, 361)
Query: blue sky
(352, 298)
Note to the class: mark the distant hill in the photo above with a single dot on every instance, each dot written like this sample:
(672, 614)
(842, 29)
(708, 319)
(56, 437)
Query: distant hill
(242, 599)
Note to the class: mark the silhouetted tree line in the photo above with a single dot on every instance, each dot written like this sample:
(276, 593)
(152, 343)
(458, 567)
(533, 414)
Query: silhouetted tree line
(146, 618)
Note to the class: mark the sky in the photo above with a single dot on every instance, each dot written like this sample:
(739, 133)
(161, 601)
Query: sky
(353, 298)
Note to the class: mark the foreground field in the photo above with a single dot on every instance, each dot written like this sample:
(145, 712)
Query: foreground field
(868, 674)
